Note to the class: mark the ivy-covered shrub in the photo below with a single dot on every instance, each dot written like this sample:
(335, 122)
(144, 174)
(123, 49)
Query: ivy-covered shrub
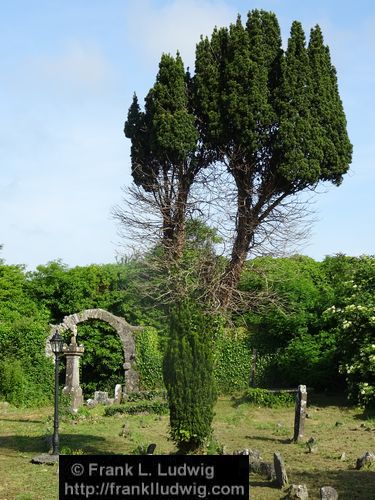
(233, 357)
(149, 359)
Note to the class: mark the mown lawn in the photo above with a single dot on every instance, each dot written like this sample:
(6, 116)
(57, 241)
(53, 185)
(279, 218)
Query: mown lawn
(336, 427)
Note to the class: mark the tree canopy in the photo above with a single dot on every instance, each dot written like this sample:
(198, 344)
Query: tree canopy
(272, 117)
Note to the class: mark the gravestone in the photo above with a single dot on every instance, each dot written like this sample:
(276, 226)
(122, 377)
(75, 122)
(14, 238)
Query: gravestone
(312, 445)
(300, 413)
(328, 493)
(101, 397)
(150, 449)
(298, 491)
(280, 472)
(118, 393)
(365, 461)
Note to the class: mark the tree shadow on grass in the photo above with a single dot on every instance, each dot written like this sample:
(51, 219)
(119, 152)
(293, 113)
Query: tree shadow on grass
(351, 484)
(273, 439)
(39, 444)
(368, 414)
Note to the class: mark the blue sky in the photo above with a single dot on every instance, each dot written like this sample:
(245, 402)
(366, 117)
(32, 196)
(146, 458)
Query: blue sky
(68, 72)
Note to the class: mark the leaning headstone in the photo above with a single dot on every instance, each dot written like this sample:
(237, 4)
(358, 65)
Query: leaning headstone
(118, 393)
(300, 413)
(280, 472)
(365, 461)
(297, 491)
(328, 493)
(101, 397)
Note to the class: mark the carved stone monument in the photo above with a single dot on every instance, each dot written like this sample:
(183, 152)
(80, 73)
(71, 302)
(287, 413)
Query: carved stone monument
(72, 353)
(300, 413)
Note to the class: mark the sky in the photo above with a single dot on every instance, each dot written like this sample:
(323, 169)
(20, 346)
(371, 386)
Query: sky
(69, 69)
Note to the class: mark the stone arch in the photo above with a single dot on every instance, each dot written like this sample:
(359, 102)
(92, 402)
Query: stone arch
(123, 329)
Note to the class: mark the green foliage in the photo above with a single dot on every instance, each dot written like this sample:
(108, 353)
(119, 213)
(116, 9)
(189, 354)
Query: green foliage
(145, 395)
(298, 292)
(158, 407)
(232, 361)
(164, 134)
(188, 376)
(22, 387)
(26, 375)
(65, 450)
(352, 322)
(307, 358)
(263, 397)
(102, 362)
(149, 359)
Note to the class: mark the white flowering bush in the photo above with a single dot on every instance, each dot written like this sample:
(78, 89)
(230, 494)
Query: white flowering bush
(355, 327)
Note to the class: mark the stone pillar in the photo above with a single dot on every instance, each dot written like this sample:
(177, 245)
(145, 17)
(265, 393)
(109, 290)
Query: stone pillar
(131, 377)
(300, 413)
(73, 352)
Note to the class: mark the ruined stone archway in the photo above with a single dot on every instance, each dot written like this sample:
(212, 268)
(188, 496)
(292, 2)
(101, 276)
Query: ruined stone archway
(122, 327)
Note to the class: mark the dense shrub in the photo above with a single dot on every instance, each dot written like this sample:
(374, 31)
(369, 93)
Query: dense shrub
(23, 385)
(158, 407)
(264, 397)
(26, 376)
(188, 376)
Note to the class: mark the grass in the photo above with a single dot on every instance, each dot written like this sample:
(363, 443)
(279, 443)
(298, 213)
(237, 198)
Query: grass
(336, 427)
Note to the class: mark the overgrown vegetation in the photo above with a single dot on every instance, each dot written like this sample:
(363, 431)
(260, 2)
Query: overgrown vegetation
(315, 326)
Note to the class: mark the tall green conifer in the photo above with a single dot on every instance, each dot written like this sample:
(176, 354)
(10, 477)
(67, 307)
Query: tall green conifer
(274, 118)
(188, 376)
(164, 141)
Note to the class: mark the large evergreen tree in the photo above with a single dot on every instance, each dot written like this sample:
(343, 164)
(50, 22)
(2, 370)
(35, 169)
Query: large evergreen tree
(163, 153)
(272, 118)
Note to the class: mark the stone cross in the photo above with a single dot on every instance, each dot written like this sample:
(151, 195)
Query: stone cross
(300, 413)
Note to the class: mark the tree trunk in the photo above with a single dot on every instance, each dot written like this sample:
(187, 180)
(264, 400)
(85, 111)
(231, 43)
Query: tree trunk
(244, 235)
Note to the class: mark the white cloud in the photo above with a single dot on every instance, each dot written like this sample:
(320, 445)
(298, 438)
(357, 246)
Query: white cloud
(77, 65)
(176, 26)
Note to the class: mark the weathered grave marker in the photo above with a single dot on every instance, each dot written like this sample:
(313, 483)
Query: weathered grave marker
(300, 413)
(280, 471)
